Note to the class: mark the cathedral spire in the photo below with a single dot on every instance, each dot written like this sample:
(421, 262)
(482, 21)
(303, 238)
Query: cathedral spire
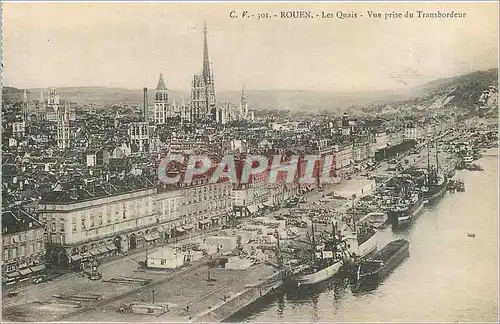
(206, 61)
(243, 103)
(41, 96)
(161, 84)
(25, 96)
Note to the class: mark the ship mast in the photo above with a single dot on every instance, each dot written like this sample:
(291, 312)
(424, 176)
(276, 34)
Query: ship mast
(437, 151)
(428, 155)
(279, 257)
(313, 240)
(353, 213)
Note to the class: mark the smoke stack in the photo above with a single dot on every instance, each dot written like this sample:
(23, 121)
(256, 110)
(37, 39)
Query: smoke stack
(145, 103)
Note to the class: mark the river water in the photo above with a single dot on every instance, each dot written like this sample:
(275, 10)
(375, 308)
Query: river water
(449, 276)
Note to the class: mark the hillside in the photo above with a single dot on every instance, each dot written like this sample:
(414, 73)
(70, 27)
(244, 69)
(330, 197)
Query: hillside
(461, 90)
(465, 89)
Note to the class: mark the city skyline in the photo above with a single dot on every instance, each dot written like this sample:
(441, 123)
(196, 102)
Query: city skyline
(267, 54)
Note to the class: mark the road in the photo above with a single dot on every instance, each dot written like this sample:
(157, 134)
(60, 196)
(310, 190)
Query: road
(76, 283)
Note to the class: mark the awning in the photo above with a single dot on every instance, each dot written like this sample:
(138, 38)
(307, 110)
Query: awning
(151, 236)
(252, 209)
(86, 255)
(76, 257)
(103, 249)
(13, 274)
(180, 229)
(205, 221)
(25, 271)
(111, 247)
(215, 218)
(94, 252)
(188, 227)
(38, 268)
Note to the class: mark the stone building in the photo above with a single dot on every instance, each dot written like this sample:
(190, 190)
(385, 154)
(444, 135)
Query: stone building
(23, 248)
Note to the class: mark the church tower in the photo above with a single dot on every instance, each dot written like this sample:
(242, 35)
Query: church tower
(41, 111)
(243, 104)
(63, 127)
(203, 103)
(24, 107)
(162, 111)
(53, 104)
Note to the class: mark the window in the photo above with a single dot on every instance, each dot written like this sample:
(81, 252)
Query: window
(52, 238)
(92, 221)
(63, 239)
(23, 236)
(73, 225)
(83, 223)
(14, 253)
(163, 261)
(22, 251)
(6, 254)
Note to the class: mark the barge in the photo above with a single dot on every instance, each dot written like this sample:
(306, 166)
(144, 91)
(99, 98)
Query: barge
(371, 272)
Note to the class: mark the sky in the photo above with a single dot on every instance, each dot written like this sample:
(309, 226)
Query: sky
(128, 45)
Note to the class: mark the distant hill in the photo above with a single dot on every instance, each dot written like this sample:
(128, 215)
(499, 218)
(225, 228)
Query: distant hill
(294, 100)
(11, 94)
(465, 86)
(465, 89)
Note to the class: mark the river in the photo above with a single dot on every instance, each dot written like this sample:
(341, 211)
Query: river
(449, 276)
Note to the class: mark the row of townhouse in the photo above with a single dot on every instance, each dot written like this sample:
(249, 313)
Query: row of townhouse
(23, 248)
(262, 192)
(79, 231)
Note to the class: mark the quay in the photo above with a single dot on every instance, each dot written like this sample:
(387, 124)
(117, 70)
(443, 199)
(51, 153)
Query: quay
(186, 293)
(196, 292)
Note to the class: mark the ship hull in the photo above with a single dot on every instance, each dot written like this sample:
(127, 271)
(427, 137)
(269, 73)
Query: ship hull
(436, 195)
(406, 217)
(371, 279)
(320, 276)
(369, 247)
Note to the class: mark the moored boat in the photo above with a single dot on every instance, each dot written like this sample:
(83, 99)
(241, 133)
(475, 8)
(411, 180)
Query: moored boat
(376, 219)
(326, 262)
(318, 273)
(452, 185)
(371, 272)
(407, 211)
(436, 187)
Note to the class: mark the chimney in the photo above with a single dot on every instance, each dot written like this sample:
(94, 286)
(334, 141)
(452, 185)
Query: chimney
(145, 103)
